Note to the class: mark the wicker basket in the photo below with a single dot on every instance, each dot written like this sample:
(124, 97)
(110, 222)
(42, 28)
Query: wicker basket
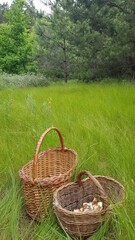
(73, 195)
(49, 170)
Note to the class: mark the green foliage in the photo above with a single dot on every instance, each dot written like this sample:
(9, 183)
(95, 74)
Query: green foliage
(100, 37)
(85, 40)
(55, 54)
(17, 41)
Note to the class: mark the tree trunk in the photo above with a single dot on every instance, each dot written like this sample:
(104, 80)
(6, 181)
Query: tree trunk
(65, 61)
(133, 67)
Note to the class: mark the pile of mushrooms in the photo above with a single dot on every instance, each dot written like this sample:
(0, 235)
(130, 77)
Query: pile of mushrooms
(93, 206)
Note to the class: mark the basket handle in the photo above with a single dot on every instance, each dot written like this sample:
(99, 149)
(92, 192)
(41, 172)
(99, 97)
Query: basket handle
(95, 181)
(39, 145)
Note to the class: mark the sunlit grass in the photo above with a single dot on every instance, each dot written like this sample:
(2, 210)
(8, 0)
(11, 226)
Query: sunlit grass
(97, 121)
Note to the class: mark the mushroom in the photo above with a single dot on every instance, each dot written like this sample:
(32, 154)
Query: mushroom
(100, 204)
(76, 210)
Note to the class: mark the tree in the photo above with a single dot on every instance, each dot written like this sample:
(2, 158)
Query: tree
(53, 34)
(18, 50)
(104, 36)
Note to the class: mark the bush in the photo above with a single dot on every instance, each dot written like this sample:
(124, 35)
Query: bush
(22, 80)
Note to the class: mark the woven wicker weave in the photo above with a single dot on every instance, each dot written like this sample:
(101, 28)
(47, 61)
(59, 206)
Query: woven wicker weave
(73, 195)
(49, 170)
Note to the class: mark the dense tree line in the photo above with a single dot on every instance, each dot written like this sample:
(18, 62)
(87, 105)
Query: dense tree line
(85, 40)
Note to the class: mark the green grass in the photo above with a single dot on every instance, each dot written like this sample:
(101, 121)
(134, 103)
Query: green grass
(97, 121)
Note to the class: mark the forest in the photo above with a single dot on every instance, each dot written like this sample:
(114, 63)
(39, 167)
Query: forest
(83, 40)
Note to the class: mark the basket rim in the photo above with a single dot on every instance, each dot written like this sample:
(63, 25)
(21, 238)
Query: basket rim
(58, 206)
(26, 177)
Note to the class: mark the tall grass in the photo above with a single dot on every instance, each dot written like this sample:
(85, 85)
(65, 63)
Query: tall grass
(98, 121)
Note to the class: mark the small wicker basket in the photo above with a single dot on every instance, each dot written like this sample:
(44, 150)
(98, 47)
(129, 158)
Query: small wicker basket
(73, 195)
(41, 176)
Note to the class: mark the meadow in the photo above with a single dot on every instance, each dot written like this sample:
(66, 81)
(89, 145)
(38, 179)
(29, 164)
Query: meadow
(96, 120)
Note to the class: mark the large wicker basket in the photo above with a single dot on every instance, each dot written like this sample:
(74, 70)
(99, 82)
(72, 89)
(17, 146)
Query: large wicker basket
(41, 176)
(73, 195)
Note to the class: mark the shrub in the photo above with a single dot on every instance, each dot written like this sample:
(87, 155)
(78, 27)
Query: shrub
(22, 80)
